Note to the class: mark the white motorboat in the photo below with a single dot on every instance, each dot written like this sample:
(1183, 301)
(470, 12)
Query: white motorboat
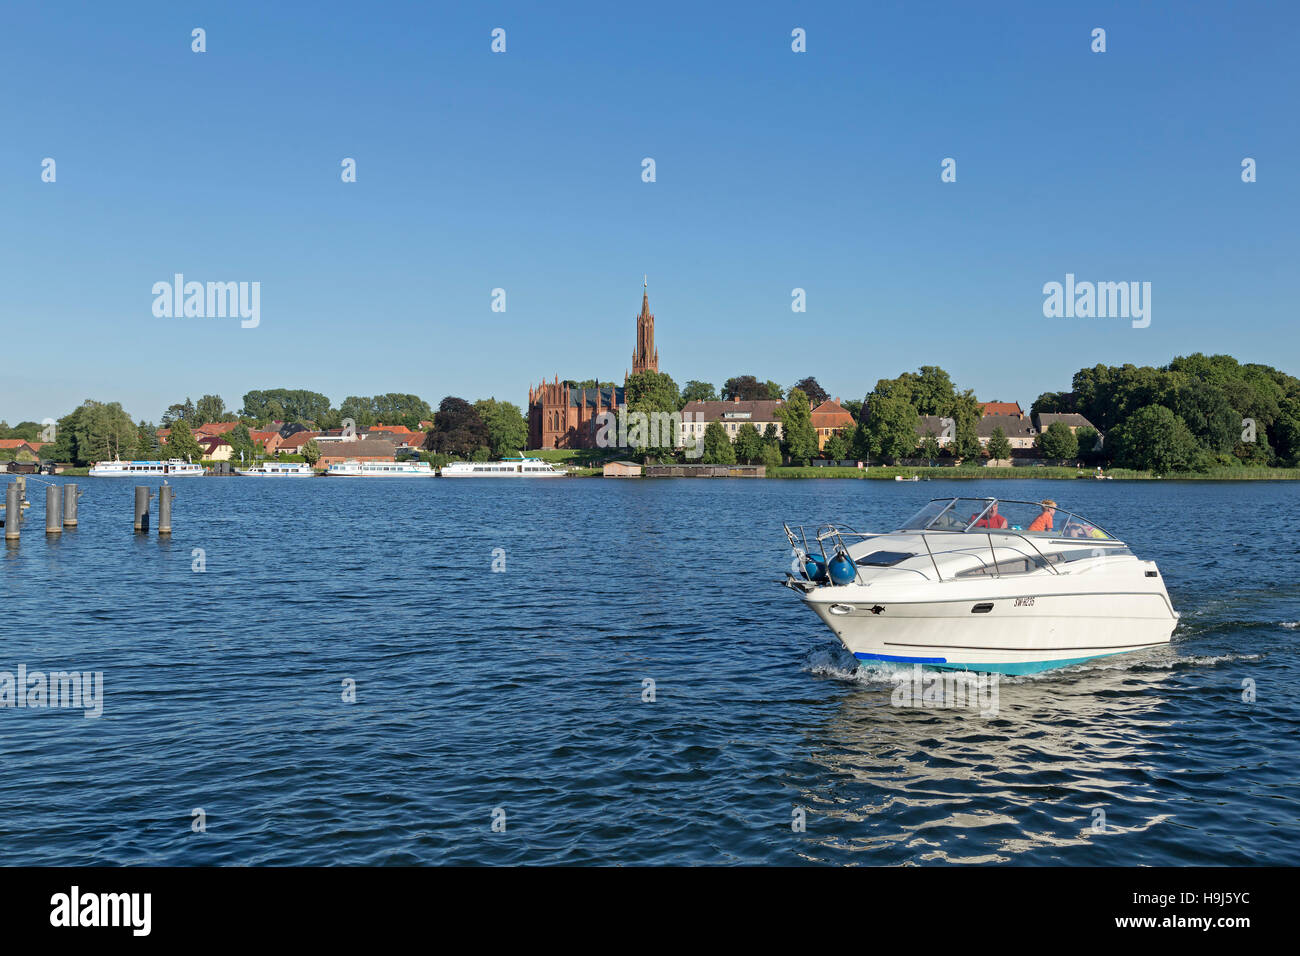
(517, 467)
(172, 468)
(278, 469)
(983, 584)
(381, 469)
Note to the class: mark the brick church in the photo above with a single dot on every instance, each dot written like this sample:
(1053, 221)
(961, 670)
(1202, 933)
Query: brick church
(562, 416)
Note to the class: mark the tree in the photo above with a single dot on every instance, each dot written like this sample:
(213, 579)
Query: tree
(1059, 403)
(964, 410)
(506, 427)
(210, 408)
(930, 446)
(1089, 444)
(359, 409)
(718, 449)
(94, 431)
(808, 385)
(745, 387)
(1155, 439)
(888, 428)
(1057, 442)
(854, 408)
(457, 429)
(836, 448)
(241, 443)
(181, 443)
(932, 390)
(999, 446)
(146, 442)
(182, 411)
(774, 392)
(749, 443)
(798, 438)
(287, 404)
(771, 456)
(655, 395)
(1211, 419)
(698, 392)
(311, 452)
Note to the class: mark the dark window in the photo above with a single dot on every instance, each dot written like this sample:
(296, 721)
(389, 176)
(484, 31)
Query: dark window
(883, 559)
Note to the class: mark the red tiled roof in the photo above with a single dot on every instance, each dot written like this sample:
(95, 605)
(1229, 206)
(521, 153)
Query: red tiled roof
(297, 440)
(1000, 408)
(831, 414)
(17, 443)
(398, 429)
(215, 428)
(262, 436)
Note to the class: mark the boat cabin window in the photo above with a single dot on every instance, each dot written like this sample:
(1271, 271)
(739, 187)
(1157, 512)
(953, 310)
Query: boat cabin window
(883, 559)
(996, 514)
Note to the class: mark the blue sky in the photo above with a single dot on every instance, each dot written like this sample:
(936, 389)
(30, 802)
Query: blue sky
(522, 171)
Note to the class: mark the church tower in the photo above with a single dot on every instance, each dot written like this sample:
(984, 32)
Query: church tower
(646, 357)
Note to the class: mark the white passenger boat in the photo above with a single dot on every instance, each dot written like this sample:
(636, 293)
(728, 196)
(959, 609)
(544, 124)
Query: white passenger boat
(278, 469)
(381, 469)
(172, 468)
(517, 467)
(983, 584)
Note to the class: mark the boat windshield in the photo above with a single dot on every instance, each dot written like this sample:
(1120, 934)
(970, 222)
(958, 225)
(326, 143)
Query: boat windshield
(1000, 514)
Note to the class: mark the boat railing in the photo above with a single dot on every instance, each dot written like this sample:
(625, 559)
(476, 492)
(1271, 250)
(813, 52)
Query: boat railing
(835, 536)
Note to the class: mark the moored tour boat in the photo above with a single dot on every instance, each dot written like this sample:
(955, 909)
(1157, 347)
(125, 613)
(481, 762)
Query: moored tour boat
(983, 584)
(516, 467)
(172, 468)
(381, 469)
(278, 469)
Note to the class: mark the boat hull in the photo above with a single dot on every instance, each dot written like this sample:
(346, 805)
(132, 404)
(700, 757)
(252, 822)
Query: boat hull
(1007, 634)
(261, 474)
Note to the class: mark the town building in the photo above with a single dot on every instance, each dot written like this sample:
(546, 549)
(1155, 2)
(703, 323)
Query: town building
(214, 448)
(1073, 420)
(367, 449)
(292, 445)
(1019, 430)
(696, 416)
(830, 417)
(268, 441)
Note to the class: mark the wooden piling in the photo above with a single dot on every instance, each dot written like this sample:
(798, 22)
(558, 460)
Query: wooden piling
(165, 495)
(69, 506)
(13, 511)
(53, 510)
(141, 507)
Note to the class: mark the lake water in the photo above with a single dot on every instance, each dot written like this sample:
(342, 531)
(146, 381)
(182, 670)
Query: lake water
(521, 691)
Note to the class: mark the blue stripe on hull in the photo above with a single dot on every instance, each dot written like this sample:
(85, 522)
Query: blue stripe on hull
(1026, 667)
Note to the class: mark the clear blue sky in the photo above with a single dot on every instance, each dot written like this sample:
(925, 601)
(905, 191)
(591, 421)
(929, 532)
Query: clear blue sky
(523, 171)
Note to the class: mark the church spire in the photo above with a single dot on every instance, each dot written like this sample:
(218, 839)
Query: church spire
(645, 357)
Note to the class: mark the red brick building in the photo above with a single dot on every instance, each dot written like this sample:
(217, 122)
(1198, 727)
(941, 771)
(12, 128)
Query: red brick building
(561, 416)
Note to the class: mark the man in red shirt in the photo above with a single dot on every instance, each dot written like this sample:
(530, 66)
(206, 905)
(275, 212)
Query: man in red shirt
(991, 518)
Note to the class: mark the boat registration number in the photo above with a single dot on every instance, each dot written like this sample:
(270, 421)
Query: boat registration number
(1024, 602)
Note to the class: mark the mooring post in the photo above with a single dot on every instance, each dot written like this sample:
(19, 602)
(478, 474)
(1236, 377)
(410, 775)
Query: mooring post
(13, 511)
(165, 495)
(69, 506)
(141, 507)
(53, 510)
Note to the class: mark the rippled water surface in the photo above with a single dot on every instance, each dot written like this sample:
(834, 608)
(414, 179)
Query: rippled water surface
(522, 690)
